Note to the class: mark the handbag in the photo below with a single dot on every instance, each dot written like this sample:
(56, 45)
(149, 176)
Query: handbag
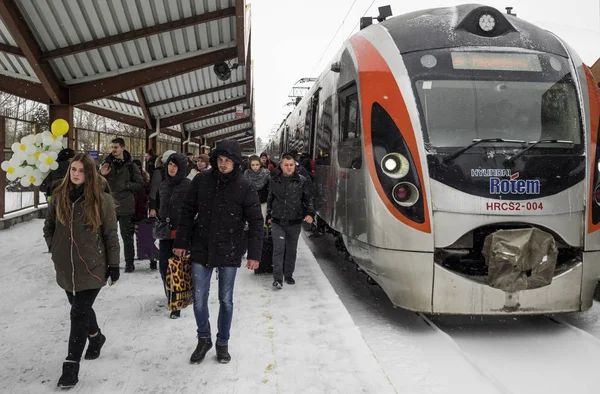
(179, 286)
(162, 229)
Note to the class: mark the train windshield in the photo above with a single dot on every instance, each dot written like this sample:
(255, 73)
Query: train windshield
(464, 96)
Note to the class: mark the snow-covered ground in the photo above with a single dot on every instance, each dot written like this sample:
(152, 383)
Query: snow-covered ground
(464, 354)
(331, 333)
(298, 339)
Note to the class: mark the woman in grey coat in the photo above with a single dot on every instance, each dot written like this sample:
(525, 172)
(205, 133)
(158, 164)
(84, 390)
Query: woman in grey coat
(259, 177)
(81, 233)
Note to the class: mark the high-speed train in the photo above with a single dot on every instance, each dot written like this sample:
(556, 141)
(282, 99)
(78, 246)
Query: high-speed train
(437, 130)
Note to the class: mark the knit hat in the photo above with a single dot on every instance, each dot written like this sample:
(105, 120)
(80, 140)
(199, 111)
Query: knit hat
(65, 154)
(205, 158)
(166, 155)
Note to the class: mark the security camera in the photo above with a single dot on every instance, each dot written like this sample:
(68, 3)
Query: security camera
(222, 71)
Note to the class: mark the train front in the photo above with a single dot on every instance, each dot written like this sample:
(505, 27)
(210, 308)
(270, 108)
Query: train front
(509, 121)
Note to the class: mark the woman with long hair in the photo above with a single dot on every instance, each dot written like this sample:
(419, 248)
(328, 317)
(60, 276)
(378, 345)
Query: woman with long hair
(81, 232)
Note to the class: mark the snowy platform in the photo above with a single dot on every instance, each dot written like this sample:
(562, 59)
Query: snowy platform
(298, 339)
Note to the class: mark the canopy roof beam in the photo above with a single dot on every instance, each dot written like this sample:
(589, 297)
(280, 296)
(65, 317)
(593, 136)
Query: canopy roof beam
(221, 137)
(240, 28)
(110, 86)
(128, 119)
(197, 94)
(193, 115)
(26, 41)
(147, 116)
(211, 129)
(137, 34)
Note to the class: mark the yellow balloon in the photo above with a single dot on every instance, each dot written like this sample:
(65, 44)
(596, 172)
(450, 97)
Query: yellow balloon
(60, 127)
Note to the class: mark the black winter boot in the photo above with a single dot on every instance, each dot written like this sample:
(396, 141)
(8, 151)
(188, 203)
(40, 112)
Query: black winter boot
(153, 266)
(129, 267)
(96, 343)
(69, 377)
(223, 355)
(204, 345)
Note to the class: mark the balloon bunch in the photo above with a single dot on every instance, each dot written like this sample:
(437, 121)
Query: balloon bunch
(35, 156)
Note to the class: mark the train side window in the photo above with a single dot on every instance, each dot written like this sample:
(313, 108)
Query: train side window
(350, 151)
(324, 134)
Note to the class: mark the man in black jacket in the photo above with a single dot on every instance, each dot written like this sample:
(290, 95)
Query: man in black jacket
(224, 201)
(124, 179)
(290, 202)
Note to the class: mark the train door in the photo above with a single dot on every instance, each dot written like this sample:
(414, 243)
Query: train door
(348, 154)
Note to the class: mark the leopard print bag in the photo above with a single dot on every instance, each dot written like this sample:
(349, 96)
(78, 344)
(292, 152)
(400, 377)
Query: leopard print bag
(180, 289)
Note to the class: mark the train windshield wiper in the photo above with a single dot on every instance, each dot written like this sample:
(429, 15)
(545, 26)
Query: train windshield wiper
(533, 144)
(478, 141)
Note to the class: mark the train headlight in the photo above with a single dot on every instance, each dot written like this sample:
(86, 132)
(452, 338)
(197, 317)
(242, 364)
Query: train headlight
(487, 22)
(405, 194)
(395, 165)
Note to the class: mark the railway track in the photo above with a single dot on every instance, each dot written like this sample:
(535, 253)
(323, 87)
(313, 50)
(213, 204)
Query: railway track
(523, 354)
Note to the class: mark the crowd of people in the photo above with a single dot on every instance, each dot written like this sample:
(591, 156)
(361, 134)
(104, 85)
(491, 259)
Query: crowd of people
(214, 208)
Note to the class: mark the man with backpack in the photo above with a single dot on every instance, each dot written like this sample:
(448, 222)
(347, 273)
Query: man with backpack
(124, 179)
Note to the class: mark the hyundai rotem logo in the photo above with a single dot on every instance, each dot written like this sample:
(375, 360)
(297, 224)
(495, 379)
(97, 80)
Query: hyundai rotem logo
(514, 185)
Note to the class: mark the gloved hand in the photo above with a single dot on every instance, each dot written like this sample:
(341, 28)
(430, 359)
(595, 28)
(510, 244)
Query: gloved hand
(113, 273)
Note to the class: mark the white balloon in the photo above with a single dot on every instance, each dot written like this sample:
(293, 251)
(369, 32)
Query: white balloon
(11, 177)
(5, 164)
(20, 155)
(15, 162)
(44, 167)
(31, 160)
(56, 146)
(54, 165)
(15, 147)
(28, 139)
(30, 149)
(19, 171)
(47, 139)
(25, 182)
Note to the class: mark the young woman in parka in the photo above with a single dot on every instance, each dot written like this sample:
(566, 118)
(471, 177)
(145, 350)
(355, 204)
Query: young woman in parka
(81, 232)
(172, 193)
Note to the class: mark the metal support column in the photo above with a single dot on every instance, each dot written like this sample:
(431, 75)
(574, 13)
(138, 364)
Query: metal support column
(2, 173)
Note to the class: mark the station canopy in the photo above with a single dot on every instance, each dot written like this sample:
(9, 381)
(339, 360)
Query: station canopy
(182, 64)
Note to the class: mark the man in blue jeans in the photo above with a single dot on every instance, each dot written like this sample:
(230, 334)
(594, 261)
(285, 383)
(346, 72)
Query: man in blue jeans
(223, 200)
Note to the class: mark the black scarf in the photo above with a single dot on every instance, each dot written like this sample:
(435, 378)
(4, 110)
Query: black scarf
(224, 179)
(76, 193)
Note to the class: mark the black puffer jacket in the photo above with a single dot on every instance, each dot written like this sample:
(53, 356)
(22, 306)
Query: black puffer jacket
(124, 180)
(290, 199)
(173, 191)
(224, 203)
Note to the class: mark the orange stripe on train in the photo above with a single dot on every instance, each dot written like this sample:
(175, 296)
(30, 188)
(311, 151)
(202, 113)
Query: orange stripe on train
(594, 118)
(377, 84)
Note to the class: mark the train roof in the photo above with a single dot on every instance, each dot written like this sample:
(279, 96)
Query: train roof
(457, 27)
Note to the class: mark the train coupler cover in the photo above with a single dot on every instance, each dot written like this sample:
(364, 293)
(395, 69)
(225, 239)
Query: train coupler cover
(520, 259)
